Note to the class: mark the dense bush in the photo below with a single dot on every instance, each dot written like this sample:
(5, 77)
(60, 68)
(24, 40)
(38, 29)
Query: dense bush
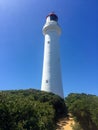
(85, 110)
(29, 110)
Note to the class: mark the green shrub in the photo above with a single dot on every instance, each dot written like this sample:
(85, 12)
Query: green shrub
(29, 110)
(85, 110)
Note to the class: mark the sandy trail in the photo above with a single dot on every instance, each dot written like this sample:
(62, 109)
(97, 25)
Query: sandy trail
(65, 124)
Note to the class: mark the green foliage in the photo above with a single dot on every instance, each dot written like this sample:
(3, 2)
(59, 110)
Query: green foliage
(29, 110)
(85, 110)
(76, 126)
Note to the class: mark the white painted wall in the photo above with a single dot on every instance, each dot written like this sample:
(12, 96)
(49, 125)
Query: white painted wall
(51, 77)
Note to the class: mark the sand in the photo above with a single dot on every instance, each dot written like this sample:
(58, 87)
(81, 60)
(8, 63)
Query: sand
(65, 124)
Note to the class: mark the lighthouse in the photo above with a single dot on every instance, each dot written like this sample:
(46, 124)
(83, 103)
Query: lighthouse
(51, 75)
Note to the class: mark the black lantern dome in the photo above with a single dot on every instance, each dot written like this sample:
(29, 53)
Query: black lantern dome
(53, 17)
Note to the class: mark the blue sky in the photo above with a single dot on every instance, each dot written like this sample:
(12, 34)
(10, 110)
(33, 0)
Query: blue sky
(22, 43)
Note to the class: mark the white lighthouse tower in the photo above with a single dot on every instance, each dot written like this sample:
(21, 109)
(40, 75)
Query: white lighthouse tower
(51, 77)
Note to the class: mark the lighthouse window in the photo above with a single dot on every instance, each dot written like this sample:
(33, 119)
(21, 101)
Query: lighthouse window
(48, 42)
(53, 17)
(46, 81)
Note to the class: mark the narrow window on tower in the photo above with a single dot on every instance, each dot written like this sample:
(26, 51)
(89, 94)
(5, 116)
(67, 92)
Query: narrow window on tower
(48, 42)
(46, 81)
